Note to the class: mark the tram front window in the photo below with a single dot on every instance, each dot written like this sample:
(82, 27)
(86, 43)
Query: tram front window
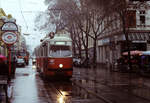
(60, 51)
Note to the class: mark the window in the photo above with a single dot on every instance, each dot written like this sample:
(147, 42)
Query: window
(142, 19)
(131, 19)
(142, 12)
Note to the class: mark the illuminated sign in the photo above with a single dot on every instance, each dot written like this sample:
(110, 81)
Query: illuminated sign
(60, 43)
(9, 26)
(9, 38)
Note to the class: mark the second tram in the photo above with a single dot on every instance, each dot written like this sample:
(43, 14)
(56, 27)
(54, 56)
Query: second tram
(23, 54)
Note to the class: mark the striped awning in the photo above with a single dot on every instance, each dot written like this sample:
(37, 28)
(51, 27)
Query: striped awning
(139, 36)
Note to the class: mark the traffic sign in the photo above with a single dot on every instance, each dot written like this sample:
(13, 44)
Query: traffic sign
(9, 26)
(9, 38)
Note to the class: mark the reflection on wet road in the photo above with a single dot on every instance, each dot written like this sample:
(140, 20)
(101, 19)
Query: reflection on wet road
(25, 88)
(112, 87)
(29, 87)
(86, 86)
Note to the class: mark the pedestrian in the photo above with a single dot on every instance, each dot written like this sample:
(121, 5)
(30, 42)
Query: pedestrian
(9, 90)
(107, 64)
(14, 61)
(3, 67)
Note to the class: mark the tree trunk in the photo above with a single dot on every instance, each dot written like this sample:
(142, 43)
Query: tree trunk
(94, 53)
(74, 49)
(127, 42)
(86, 48)
(79, 49)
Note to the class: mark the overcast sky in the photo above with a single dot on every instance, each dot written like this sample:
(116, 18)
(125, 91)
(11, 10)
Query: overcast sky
(29, 9)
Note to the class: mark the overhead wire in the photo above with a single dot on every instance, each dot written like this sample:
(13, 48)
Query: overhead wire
(20, 6)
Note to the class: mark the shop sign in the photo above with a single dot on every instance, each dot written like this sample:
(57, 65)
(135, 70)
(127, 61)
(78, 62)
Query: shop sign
(9, 26)
(106, 41)
(100, 42)
(138, 41)
(148, 47)
(9, 38)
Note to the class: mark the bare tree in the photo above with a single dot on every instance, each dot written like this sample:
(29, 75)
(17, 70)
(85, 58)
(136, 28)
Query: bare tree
(73, 19)
(75, 35)
(96, 14)
(64, 13)
(120, 8)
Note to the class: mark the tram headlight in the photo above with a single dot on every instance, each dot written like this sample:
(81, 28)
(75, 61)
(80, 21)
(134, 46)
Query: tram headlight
(60, 65)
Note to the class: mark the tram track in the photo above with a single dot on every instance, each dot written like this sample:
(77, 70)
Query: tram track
(54, 92)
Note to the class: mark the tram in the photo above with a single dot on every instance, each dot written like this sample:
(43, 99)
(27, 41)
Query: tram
(54, 56)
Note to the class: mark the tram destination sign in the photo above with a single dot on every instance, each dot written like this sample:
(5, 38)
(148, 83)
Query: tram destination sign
(9, 26)
(9, 38)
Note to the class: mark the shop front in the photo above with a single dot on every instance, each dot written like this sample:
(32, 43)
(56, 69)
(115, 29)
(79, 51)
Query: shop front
(111, 48)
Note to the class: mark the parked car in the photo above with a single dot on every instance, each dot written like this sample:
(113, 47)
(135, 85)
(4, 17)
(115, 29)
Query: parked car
(20, 62)
(33, 61)
(86, 62)
(76, 61)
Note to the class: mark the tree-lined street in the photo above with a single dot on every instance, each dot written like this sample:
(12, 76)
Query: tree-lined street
(75, 51)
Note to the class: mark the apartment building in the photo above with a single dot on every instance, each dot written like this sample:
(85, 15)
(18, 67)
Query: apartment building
(113, 41)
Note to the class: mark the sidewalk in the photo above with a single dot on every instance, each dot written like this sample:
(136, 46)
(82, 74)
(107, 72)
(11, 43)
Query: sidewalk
(124, 82)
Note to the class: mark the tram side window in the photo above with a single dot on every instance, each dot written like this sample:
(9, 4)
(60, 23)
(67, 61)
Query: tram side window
(45, 51)
(41, 52)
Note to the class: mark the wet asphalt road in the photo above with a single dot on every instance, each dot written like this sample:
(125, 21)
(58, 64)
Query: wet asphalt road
(86, 86)
(29, 87)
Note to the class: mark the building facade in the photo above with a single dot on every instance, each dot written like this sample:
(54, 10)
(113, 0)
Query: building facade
(112, 43)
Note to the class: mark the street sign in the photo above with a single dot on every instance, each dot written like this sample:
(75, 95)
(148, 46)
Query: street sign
(9, 38)
(9, 26)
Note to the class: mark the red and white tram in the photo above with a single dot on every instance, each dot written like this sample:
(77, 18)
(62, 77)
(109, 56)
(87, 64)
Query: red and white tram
(54, 56)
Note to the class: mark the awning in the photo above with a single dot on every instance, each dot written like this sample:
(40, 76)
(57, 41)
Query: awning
(139, 36)
(135, 52)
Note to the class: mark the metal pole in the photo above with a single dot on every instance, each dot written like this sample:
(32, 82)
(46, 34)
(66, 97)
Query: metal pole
(9, 62)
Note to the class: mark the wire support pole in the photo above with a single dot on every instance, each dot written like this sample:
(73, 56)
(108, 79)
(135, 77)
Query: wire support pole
(9, 75)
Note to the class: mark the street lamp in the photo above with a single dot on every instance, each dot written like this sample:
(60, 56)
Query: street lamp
(26, 34)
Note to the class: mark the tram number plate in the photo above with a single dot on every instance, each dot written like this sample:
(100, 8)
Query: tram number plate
(59, 72)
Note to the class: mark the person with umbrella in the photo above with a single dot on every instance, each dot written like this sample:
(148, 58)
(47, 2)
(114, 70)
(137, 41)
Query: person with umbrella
(4, 75)
(3, 65)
